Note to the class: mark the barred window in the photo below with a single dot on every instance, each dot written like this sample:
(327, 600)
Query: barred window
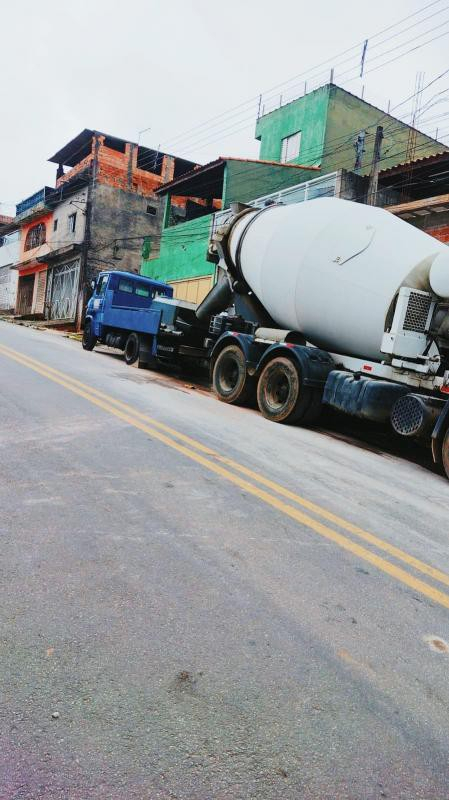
(35, 236)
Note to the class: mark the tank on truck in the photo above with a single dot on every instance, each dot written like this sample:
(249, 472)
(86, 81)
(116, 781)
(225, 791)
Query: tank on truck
(364, 288)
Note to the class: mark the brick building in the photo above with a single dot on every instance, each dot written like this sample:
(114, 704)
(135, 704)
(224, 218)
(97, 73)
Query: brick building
(102, 207)
(418, 192)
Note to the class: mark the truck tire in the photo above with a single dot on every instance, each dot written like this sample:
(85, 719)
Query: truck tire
(445, 453)
(132, 347)
(280, 396)
(89, 340)
(230, 380)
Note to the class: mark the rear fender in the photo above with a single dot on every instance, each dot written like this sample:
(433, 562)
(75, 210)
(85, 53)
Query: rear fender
(438, 433)
(314, 364)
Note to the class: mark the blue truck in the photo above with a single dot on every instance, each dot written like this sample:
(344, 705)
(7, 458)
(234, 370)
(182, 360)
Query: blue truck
(140, 316)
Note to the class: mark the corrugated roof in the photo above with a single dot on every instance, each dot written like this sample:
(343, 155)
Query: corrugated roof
(219, 163)
(417, 162)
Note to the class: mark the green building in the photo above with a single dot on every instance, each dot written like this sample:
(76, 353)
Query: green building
(321, 128)
(320, 144)
(192, 202)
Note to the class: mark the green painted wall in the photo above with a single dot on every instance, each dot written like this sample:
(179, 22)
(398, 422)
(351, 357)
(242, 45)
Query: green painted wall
(308, 114)
(329, 120)
(182, 252)
(245, 180)
(184, 246)
(347, 115)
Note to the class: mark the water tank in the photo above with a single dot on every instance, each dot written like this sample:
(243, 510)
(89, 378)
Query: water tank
(331, 268)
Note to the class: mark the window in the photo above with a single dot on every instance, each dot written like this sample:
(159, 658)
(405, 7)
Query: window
(152, 210)
(71, 223)
(142, 291)
(101, 288)
(290, 147)
(126, 286)
(55, 224)
(35, 236)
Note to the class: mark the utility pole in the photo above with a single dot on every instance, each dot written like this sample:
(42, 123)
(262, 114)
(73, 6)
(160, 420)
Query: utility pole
(374, 174)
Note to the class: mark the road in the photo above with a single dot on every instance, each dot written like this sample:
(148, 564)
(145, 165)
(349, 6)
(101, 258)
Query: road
(199, 604)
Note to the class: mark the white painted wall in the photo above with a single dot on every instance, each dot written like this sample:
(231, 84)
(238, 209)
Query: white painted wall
(9, 248)
(62, 236)
(9, 254)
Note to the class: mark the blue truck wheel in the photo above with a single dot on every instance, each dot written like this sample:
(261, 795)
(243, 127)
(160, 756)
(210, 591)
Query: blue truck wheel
(89, 340)
(132, 347)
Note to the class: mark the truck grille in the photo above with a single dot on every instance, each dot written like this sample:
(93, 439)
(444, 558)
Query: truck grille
(417, 313)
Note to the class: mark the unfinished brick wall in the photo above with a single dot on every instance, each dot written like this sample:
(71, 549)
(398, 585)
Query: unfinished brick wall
(441, 233)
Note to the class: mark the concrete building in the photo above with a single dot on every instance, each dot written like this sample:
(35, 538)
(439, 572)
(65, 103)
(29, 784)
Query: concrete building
(102, 207)
(9, 255)
(334, 129)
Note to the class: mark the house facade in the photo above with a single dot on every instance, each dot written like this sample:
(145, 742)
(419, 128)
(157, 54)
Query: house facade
(102, 206)
(9, 255)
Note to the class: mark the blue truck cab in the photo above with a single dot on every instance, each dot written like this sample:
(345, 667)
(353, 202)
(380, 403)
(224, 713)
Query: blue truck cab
(140, 316)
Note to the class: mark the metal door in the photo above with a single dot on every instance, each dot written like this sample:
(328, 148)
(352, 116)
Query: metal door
(64, 291)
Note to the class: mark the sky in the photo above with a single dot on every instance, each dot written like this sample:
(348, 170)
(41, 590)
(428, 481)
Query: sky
(191, 71)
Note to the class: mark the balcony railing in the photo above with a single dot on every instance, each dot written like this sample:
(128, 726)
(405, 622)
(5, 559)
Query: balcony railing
(37, 199)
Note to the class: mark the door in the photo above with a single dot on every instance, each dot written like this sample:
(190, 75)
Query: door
(25, 295)
(64, 291)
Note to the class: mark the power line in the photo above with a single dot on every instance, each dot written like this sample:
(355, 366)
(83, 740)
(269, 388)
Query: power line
(304, 74)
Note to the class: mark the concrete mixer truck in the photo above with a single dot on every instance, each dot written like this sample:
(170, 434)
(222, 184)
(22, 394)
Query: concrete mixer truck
(338, 304)
(321, 303)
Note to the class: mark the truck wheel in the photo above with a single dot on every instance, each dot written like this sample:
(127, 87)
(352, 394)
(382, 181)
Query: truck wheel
(280, 396)
(230, 380)
(132, 347)
(89, 340)
(445, 453)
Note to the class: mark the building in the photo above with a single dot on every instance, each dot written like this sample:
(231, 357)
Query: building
(334, 129)
(181, 258)
(9, 255)
(328, 135)
(418, 192)
(103, 205)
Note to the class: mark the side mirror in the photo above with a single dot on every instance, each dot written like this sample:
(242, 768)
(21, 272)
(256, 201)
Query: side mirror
(92, 285)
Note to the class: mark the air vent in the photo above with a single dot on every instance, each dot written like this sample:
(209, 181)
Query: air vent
(417, 313)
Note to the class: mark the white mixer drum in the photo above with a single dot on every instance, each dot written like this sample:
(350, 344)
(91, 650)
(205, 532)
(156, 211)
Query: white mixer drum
(331, 268)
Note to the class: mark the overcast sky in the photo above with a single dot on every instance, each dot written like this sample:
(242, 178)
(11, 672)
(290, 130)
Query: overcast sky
(171, 65)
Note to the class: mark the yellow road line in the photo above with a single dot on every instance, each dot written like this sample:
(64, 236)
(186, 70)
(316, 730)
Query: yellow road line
(342, 541)
(381, 544)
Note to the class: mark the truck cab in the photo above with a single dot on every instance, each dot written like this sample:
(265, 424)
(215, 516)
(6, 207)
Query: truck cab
(140, 316)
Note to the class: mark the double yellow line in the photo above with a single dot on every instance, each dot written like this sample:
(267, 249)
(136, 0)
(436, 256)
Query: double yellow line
(252, 483)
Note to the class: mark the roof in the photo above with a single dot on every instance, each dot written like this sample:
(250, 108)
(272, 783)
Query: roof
(80, 147)
(417, 163)
(192, 181)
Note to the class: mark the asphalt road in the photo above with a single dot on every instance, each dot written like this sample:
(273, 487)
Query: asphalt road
(254, 611)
